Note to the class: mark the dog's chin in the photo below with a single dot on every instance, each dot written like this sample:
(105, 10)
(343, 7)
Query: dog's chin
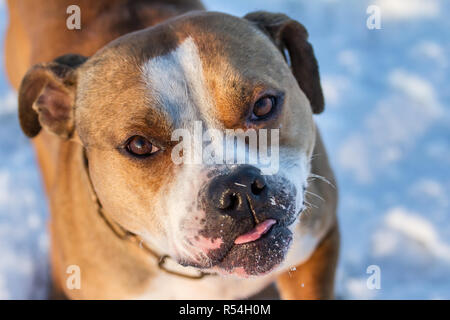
(256, 258)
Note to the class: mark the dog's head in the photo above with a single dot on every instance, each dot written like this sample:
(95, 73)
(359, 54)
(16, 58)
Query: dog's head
(200, 75)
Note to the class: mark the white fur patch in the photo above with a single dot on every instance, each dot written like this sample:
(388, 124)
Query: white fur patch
(177, 82)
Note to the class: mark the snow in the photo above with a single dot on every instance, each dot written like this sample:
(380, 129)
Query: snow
(386, 126)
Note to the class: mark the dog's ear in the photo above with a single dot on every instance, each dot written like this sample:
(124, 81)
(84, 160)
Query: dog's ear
(290, 35)
(47, 95)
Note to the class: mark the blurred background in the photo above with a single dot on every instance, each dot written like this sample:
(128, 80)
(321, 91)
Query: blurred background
(386, 126)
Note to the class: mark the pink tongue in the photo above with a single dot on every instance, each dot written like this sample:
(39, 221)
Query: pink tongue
(256, 233)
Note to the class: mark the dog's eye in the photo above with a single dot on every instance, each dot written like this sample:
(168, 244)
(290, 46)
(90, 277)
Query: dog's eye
(139, 146)
(264, 106)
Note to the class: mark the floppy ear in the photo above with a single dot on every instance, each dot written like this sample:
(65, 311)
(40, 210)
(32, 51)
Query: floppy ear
(291, 35)
(47, 96)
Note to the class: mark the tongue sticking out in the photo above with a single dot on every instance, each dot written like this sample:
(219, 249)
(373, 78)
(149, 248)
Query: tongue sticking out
(256, 232)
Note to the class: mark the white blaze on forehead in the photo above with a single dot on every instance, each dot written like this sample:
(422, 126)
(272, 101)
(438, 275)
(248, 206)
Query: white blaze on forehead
(176, 80)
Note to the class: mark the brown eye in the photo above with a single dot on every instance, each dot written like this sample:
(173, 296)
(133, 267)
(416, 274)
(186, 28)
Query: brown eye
(139, 146)
(263, 106)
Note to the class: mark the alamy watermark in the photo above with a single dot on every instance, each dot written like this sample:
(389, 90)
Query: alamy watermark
(73, 22)
(374, 19)
(374, 280)
(73, 281)
(229, 146)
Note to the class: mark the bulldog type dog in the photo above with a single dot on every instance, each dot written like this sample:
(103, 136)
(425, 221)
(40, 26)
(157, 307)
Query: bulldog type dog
(101, 104)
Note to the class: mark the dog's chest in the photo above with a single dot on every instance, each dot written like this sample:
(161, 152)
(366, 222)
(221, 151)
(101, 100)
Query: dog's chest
(212, 287)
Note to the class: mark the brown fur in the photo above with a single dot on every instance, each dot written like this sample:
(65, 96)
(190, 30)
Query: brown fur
(314, 279)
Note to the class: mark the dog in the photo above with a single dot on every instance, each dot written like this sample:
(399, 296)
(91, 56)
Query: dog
(101, 104)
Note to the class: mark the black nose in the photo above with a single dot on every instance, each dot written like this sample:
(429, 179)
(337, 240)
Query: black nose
(236, 193)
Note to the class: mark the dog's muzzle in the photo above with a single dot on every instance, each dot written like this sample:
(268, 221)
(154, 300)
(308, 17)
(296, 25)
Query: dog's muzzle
(247, 215)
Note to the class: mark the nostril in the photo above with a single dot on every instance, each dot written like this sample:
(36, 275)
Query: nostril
(232, 193)
(258, 186)
(229, 201)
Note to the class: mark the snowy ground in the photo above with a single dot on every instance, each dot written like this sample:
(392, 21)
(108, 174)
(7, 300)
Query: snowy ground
(386, 127)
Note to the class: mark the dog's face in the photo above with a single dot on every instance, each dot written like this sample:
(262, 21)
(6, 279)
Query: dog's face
(213, 70)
